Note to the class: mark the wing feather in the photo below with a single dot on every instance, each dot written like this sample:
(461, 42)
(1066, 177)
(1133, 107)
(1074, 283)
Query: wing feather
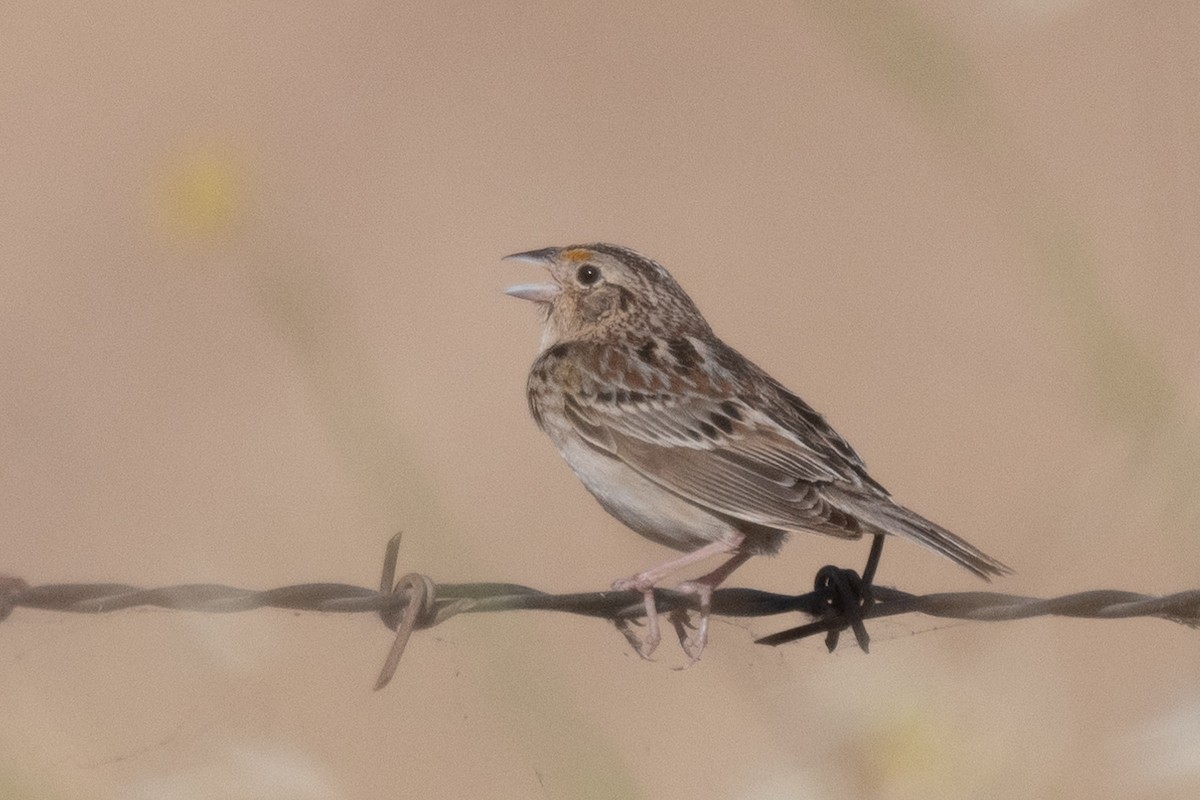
(743, 464)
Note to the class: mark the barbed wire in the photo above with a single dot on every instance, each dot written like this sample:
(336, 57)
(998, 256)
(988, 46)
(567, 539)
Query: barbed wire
(840, 600)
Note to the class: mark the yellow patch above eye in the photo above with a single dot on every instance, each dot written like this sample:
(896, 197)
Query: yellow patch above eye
(578, 254)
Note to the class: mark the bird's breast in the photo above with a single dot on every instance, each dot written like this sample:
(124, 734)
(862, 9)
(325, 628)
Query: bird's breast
(639, 503)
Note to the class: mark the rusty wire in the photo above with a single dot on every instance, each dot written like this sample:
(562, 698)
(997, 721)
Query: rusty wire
(841, 600)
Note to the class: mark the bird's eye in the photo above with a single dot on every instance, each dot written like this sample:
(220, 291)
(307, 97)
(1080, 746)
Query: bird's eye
(588, 274)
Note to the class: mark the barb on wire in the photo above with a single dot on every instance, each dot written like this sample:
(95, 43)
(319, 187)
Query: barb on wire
(841, 600)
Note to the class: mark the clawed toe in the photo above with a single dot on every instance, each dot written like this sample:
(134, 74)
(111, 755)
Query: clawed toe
(644, 647)
(681, 618)
(693, 644)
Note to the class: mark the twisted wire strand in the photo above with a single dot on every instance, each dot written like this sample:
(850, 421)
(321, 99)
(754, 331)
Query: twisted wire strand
(841, 601)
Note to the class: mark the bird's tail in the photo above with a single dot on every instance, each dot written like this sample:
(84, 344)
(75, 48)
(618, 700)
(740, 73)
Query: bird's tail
(884, 516)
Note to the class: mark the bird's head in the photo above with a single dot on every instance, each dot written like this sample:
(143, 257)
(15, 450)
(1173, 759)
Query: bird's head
(601, 291)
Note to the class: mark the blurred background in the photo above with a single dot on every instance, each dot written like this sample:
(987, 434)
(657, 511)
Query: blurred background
(253, 324)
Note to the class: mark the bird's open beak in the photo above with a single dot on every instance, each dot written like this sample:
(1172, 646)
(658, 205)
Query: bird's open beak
(535, 292)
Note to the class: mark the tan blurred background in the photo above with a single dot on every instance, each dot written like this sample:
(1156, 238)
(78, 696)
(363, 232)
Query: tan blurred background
(251, 308)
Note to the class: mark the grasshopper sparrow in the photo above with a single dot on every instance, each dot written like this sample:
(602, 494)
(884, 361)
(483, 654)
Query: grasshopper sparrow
(686, 441)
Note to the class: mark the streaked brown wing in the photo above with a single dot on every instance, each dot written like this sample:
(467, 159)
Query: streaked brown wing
(720, 454)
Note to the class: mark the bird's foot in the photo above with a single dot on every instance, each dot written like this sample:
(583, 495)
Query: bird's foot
(693, 644)
(644, 647)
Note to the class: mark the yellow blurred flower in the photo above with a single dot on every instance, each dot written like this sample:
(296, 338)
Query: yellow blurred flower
(200, 194)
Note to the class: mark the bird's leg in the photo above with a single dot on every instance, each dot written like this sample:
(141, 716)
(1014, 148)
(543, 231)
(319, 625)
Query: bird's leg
(703, 588)
(645, 582)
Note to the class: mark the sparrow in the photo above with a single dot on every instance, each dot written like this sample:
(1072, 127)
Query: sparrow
(686, 441)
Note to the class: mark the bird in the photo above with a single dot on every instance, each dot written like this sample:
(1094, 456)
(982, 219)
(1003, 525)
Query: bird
(686, 441)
